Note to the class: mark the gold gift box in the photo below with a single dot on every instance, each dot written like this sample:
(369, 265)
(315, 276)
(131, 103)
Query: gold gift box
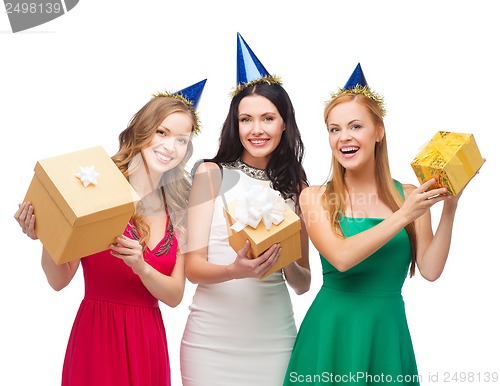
(287, 233)
(451, 158)
(73, 221)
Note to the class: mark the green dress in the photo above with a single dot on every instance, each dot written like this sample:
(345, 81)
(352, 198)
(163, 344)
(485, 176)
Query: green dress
(355, 331)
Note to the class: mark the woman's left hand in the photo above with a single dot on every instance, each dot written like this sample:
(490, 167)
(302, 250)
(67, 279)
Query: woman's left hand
(130, 251)
(26, 219)
(453, 200)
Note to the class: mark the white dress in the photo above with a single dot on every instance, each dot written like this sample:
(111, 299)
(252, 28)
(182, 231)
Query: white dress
(240, 332)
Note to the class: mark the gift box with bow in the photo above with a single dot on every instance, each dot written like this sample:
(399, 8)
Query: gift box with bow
(263, 218)
(451, 158)
(82, 202)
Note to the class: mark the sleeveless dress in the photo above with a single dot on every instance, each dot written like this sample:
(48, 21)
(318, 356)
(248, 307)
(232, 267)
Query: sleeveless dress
(239, 332)
(355, 331)
(118, 336)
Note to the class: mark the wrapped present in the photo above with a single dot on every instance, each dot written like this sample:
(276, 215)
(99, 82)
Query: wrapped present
(451, 158)
(82, 202)
(263, 218)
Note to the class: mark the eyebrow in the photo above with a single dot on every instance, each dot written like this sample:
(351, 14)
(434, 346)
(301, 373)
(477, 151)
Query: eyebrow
(180, 135)
(349, 123)
(261, 115)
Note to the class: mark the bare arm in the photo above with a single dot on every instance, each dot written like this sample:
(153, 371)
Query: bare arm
(58, 276)
(433, 249)
(298, 273)
(206, 185)
(344, 253)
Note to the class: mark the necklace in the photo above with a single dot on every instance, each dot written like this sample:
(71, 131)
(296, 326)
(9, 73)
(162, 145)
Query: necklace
(258, 174)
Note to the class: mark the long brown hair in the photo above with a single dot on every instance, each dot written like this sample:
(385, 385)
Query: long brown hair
(175, 183)
(334, 199)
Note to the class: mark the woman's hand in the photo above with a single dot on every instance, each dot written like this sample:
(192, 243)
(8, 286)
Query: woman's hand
(243, 266)
(25, 217)
(421, 199)
(452, 201)
(130, 251)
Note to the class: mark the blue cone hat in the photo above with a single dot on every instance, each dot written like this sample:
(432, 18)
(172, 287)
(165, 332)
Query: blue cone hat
(248, 66)
(249, 69)
(357, 84)
(192, 93)
(190, 96)
(357, 78)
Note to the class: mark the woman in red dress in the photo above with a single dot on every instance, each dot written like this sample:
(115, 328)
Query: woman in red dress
(118, 336)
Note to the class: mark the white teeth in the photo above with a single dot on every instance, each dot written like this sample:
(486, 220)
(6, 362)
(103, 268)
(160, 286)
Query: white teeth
(163, 158)
(258, 141)
(348, 149)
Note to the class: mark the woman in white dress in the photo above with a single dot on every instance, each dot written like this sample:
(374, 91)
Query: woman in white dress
(241, 330)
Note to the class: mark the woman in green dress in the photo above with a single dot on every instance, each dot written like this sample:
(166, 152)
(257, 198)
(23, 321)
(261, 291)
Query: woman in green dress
(369, 230)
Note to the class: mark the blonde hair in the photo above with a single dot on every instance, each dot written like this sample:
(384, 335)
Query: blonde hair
(334, 199)
(175, 183)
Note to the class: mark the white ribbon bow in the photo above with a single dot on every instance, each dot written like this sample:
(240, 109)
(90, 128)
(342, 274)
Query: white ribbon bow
(259, 203)
(87, 175)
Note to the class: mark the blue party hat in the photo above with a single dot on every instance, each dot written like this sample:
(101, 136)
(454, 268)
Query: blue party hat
(190, 96)
(357, 78)
(357, 84)
(249, 69)
(248, 66)
(193, 93)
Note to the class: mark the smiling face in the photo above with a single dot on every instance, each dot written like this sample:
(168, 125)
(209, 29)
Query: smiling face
(169, 143)
(260, 129)
(353, 135)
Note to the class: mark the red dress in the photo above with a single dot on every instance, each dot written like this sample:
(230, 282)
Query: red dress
(118, 337)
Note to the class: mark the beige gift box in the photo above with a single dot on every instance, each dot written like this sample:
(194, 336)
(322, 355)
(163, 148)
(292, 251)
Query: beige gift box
(287, 233)
(73, 221)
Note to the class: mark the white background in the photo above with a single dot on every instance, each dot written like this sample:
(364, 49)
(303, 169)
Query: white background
(76, 81)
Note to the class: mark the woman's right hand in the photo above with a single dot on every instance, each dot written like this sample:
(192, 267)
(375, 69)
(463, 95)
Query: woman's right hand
(26, 219)
(421, 199)
(244, 267)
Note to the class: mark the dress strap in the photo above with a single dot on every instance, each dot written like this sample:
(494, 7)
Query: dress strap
(399, 187)
(170, 226)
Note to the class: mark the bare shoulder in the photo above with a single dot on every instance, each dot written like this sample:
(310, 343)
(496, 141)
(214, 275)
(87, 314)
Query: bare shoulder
(313, 190)
(205, 167)
(206, 183)
(311, 195)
